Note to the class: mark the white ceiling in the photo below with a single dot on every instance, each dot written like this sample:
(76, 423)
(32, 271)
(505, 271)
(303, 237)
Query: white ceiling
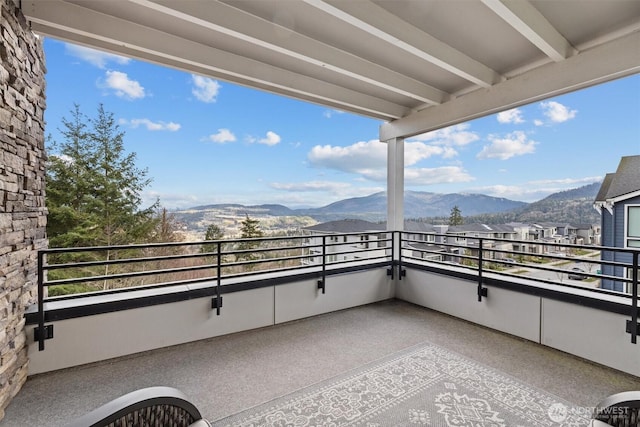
(418, 65)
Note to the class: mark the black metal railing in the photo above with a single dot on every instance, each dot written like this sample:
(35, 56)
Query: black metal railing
(104, 270)
(617, 275)
(483, 254)
(78, 272)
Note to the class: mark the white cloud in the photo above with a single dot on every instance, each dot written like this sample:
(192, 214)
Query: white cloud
(354, 158)
(440, 175)
(524, 192)
(173, 200)
(272, 138)
(557, 112)
(123, 86)
(414, 152)
(222, 136)
(538, 122)
(568, 182)
(457, 135)
(510, 116)
(95, 57)
(205, 89)
(67, 160)
(150, 125)
(330, 113)
(324, 192)
(514, 144)
(310, 186)
(369, 158)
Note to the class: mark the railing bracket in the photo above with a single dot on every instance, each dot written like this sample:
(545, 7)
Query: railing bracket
(482, 292)
(630, 329)
(390, 272)
(216, 303)
(321, 285)
(403, 273)
(48, 333)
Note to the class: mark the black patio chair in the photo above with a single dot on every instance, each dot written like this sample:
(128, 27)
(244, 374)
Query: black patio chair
(618, 410)
(147, 407)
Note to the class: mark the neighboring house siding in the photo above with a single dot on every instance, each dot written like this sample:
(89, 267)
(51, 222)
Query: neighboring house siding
(614, 235)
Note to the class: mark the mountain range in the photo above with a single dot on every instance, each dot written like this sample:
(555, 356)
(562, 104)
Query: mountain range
(574, 206)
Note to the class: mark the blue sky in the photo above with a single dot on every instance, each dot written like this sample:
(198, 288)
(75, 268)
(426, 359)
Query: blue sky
(205, 141)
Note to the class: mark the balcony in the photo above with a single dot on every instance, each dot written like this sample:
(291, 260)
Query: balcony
(493, 57)
(245, 331)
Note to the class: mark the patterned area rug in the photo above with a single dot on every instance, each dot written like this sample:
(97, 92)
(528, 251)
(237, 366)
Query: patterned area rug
(425, 385)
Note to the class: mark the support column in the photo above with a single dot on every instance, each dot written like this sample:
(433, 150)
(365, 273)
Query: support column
(23, 216)
(395, 184)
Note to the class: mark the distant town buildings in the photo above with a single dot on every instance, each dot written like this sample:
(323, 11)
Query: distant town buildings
(428, 241)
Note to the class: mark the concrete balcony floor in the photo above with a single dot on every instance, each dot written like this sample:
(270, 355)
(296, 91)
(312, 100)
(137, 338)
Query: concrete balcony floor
(227, 374)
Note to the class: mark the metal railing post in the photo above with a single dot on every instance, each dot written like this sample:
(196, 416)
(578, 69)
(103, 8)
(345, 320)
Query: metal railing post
(41, 335)
(321, 282)
(219, 277)
(399, 254)
(634, 299)
(391, 270)
(481, 291)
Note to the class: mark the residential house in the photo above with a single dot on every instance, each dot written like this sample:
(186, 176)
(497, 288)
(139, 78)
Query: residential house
(588, 234)
(468, 236)
(421, 240)
(354, 234)
(618, 202)
(567, 232)
(424, 241)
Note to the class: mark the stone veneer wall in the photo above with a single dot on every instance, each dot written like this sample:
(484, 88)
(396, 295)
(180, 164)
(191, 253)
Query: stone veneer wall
(23, 215)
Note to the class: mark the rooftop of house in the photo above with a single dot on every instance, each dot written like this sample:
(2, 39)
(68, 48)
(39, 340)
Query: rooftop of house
(362, 226)
(622, 184)
(482, 228)
(346, 226)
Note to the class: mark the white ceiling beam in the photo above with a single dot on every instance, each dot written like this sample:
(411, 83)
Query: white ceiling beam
(376, 21)
(228, 20)
(526, 19)
(356, 103)
(78, 24)
(616, 59)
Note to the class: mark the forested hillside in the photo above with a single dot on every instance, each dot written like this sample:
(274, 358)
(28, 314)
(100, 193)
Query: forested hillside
(573, 206)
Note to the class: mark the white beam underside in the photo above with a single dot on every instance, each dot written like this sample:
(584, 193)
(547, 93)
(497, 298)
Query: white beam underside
(526, 19)
(616, 59)
(166, 62)
(75, 24)
(376, 21)
(248, 28)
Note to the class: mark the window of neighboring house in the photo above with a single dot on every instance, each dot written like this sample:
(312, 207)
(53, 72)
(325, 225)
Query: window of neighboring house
(628, 288)
(632, 226)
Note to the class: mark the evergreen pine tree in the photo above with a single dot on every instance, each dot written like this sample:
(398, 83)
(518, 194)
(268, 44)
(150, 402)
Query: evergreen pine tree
(456, 216)
(250, 229)
(93, 189)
